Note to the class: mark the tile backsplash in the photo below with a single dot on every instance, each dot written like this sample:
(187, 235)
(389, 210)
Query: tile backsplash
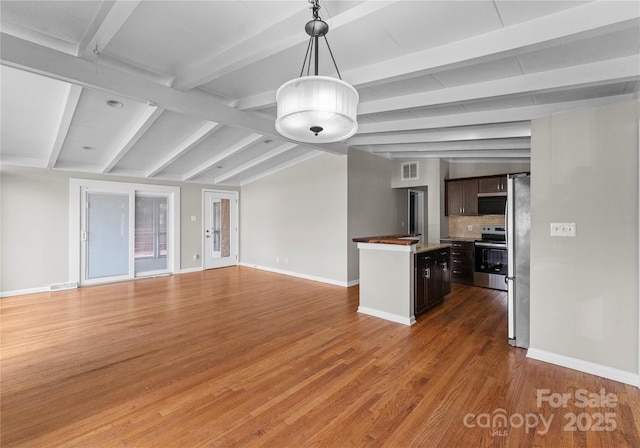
(459, 225)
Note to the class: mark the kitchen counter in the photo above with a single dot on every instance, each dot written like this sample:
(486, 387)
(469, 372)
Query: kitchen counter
(428, 247)
(404, 239)
(469, 239)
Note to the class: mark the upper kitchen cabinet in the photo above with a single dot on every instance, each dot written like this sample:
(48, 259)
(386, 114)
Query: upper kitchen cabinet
(493, 185)
(462, 197)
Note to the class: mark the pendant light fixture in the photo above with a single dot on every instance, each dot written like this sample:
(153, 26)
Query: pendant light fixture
(316, 109)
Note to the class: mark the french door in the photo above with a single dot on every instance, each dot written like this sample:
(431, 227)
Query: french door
(220, 239)
(120, 231)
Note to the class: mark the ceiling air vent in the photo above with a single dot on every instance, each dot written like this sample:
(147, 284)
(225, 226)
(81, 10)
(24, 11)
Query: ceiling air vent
(410, 171)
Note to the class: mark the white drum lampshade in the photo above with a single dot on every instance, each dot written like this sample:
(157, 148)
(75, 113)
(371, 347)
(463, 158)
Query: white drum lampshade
(317, 109)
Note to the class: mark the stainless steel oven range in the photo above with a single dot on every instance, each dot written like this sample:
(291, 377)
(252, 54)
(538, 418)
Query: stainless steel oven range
(491, 261)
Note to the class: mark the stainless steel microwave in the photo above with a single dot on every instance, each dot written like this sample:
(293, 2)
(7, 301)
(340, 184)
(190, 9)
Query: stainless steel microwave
(492, 205)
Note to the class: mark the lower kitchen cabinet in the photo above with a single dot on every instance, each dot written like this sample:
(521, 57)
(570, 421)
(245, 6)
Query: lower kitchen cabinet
(432, 278)
(462, 261)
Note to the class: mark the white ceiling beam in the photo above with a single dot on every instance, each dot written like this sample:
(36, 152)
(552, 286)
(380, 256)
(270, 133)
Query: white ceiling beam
(258, 47)
(503, 130)
(254, 162)
(72, 96)
(516, 153)
(591, 19)
(473, 145)
(486, 117)
(22, 32)
(610, 71)
(194, 139)
(242, 144)
(283, 166)
(45, 61)
(144, 122)
(582, 21)
(109, 19)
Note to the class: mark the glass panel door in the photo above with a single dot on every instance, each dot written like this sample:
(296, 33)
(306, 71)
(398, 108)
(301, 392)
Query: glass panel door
(220, 229)
(107, 236)
(151, 234)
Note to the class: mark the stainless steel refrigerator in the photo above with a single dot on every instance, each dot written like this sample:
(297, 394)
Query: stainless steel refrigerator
(518, 223)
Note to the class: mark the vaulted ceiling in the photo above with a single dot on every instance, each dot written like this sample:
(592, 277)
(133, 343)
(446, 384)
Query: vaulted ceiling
(197, 79)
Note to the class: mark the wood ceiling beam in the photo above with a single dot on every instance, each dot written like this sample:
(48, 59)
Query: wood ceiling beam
(72, 96)
(241, 145)
(283, 166)
(254, 162)
(144, 122)
(603, 72)
(496, 131)
(190, 142)
(474, 145)
(258, 48)
(485, 117)
(109, 19)
(483, 154)
(24, 55)
(584, 21)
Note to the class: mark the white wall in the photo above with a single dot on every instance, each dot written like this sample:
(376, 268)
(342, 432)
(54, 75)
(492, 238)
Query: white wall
(34, 225)
(300, 216)
(584, 290)
(431, 174)
(459, 169)
(374, 207)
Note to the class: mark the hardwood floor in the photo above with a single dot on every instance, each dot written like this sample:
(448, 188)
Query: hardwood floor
(241, 357)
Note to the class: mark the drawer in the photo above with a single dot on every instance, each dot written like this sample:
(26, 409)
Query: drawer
(462, 263)
(462, 275)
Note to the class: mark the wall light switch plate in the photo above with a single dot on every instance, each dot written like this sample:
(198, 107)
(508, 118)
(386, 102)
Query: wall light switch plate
(563, 229)
(470, 227)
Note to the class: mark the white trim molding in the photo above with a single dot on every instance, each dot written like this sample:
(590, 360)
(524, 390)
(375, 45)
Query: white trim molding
(314, 278)
(592, 368)
(387, 316)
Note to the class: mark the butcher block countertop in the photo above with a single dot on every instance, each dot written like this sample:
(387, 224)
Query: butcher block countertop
(402, 240)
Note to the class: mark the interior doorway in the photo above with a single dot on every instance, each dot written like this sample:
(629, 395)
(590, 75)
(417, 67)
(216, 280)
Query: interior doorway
(416, 213)
(220, 236)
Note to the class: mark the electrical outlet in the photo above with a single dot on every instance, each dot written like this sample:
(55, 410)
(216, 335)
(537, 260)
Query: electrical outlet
(277, 259)
(195, 257)
(563, 229)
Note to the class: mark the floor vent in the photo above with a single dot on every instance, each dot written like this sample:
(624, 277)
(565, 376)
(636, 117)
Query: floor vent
(60, 286)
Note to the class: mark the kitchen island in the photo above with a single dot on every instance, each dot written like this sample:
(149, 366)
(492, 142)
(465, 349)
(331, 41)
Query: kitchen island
(400, 277)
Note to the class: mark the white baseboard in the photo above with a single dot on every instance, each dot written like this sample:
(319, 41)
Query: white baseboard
(196, 269)
(299, 275)
(22, 292)
(387, 316)
(592, 368)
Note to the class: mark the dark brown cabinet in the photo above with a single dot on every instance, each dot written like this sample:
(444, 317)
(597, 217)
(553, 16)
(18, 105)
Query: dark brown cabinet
(462, 261)
(432, 279)
(494, 185)
(462, 197)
